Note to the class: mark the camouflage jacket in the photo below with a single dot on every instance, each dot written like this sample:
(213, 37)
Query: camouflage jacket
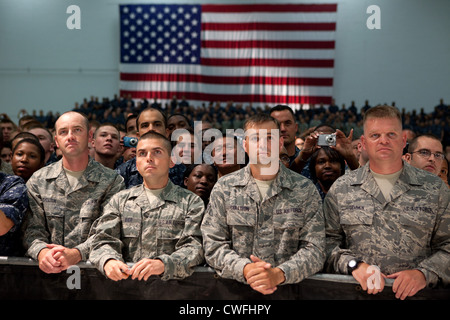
(132, 228)
(64, 215)
(285, 228)
(411, 230)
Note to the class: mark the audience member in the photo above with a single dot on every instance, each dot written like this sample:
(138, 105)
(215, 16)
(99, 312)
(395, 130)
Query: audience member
(106, 145)
(28, 157)
(288, 129)
(7, 127)
(388, 214)
(129, 152)
(227, 155)
(264, 227)
(299, 143)
(155, 225)
(326, 166)
(188, 147)
(200, 179)
(6, 152)
(342, 144)
(425, 152)
(177, 121)
(47, 141)
(66, 198)
(443, 173)
(13, 207)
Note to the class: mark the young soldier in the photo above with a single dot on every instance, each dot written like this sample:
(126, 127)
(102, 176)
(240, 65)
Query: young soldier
(264, 223)
(155, 225)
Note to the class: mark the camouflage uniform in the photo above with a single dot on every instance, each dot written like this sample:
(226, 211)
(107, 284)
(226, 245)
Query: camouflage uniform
(285, 228)
(411, 230)
(132, 229)
(64, 215)
(13, 204)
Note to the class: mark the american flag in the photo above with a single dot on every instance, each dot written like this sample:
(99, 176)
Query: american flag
(261, 54)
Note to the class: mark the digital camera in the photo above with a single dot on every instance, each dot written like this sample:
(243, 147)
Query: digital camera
(130, 142)
(326, 140)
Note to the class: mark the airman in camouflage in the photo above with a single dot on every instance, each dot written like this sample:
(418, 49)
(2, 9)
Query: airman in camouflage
(159, 233)
(403, 229)
(264, 238)
(62, 208)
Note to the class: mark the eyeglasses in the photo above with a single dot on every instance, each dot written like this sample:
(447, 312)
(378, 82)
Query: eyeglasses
(424, 153)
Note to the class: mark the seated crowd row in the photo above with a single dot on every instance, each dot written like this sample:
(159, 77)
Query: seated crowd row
(256, 207)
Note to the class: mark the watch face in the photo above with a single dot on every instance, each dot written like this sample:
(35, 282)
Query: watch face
(352, 263)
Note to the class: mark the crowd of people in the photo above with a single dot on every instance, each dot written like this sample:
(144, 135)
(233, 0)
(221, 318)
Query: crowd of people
(266, 196)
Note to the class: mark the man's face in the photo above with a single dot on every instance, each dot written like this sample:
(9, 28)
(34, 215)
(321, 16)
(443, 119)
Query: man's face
(225, 152)
(153, 160)
(44, 138)
(383, 140)
(288, 126)
(7, 129)
(263, 143)
(151, 120)
(106, 141)
(431, 163)
(71, 134)
(187, 148)
(176, 122)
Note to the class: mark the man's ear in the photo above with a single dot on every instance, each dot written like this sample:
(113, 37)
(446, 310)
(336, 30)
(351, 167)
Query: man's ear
(407, 157)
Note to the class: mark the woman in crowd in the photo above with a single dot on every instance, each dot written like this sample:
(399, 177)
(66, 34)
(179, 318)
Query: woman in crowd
(200, 179)
(325, 166)
(28, 157)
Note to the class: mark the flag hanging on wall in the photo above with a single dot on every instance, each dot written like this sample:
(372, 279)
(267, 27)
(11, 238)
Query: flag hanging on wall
(261, 54)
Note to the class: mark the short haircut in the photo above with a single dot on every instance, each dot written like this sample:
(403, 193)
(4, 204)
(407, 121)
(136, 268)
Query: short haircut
(151, 109)
(86, 120)
(181, 115)
(282, 107)
(33, 142)
(414, 142)
(260, 118)
(44, 128)
(382, 111)
(106, 124)
(156, 135)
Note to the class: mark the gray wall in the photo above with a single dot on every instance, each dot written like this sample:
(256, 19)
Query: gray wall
(44, 65)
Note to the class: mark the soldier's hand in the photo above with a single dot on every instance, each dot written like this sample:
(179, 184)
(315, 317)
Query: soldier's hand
(116, 270)
(407, 283)
(367, 279)
(145, 268)
(66, 256)
(262, 277)
(47, 262)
